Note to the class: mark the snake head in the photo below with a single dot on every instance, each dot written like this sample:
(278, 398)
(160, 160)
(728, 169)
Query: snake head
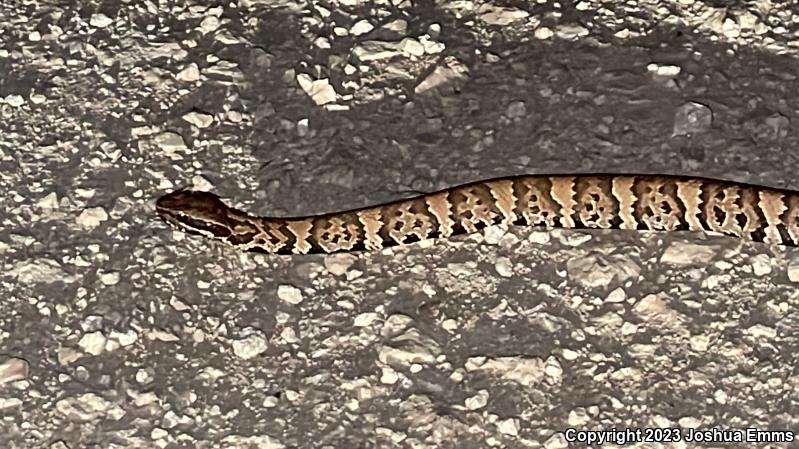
(195, 212)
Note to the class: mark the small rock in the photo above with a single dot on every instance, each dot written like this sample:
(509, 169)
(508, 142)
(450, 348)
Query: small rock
(158, 433)
(92, 217)
(289, 293)
(209, 24)
(553, 370)
(452, 70)
(338, 264)
(556, 441)
(509, 426)
(477, 401)
(654, 309)
(199, 119)
(303, 127)
(683, 253)
(252, 345)
(8, 403)
(100, 20)
(689, 422)
(170, 142)
(87, 407)
(408, 348)
(395, 325)
(516, 109)
(492, 234)
(389, 376)
(110, 278)
(361, 27)
(578, 417)
(597, 270)
(664, 70)
(730, 28)
(39, 270)
(720, 396)
(375, 50)
(762, 331)
(412, 46)
(14, 101)
(365, 319)
(699, 343)
(190, 73)
(543, 33)
(714, 19)
(161, 335)
(50, 201)
(68, 355)
(498, 15)
(692, 118)
(199, 182)
(747, 20)
(93, 343)
(571, 31)
(431, 46)
(617, 295)
(539, 237)
(124, 338)
(570, 354)
(320, 91)
(234, 116)
(793, 270)
(504, 266)
(524, 371)
(13, 369)
(761, 265)
(398, 26)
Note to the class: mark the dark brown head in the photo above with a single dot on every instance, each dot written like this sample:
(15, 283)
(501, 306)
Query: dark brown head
(196, 212)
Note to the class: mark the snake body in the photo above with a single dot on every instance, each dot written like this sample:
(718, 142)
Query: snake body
(642, 202)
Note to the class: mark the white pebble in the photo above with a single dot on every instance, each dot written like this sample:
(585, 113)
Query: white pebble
(190, 73)
(411, 46)
(13, 369)
(199, 119)
(250, 346)
(509, 426)
(92, 217)
(100, 20)
(361, 27)
(793, 270)
(617, 295)
(50, 201)
(290, 294)
(543, 33)
(761, 265)
(389, 376)
(15, 101)
(504, 267)
(209, 24)
(170, 142)
(477, 401)
(110, 278)
(338, 264)
(93, 343)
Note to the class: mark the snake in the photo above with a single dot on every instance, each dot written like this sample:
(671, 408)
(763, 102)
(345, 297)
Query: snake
(573, 201)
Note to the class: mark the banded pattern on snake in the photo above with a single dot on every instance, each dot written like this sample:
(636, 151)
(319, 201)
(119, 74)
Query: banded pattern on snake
(643, 202)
